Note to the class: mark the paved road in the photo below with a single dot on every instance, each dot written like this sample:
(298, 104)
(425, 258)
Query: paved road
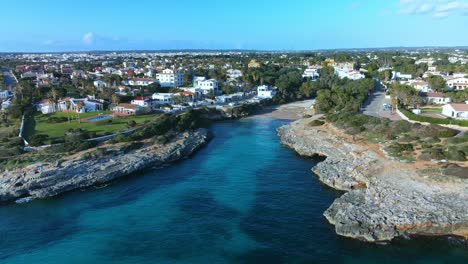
(8, 78)
(374, 105)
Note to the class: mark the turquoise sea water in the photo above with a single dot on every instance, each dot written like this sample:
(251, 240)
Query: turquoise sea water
(242, 199)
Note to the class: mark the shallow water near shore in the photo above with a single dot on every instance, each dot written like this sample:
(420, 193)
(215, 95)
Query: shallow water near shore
(244, 198)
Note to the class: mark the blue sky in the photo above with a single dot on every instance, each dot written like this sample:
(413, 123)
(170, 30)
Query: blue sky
(48, 25)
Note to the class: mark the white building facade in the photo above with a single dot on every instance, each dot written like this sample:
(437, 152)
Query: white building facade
(170, 78)
(266, 92)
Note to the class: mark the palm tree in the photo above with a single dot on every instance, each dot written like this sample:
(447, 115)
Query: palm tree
(115, 100)
(53, 98)
(79, 105)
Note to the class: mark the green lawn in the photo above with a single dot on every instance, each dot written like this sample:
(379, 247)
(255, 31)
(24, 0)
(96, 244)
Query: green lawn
(431, 110)
(40, 124)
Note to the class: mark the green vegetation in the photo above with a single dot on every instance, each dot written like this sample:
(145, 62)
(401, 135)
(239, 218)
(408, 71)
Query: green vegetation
(54, 126)
(437, 83)
(403, 138)
(316, 123)
(433, 120)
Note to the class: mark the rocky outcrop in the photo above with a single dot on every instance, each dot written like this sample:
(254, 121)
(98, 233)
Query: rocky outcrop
(80, 173)
(384, 199)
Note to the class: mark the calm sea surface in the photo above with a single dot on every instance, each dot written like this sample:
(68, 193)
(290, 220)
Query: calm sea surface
(242, 199)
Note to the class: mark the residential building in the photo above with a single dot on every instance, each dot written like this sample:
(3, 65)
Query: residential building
(209, 86)
(127, 109)
(435, 98)
(197, 79)
(458, 83)
(100, 84)
(254, 64)
(265, 91)
(6, 103)
(193, 94)
(143, 101)
(66, 69)
(398, 76)
(5, 94)
(311, 72)
(170, 78)
(457, 111)
(234, 74)
(163, 98)
(83, 105)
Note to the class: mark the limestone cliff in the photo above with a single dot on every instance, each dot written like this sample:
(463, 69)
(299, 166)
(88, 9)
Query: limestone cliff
(384, 199)
(76, 173)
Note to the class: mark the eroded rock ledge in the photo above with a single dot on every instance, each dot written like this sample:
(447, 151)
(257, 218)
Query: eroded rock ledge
(80, 173)
(384, 199)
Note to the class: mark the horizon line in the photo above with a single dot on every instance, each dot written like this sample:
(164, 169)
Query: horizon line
(236, 50)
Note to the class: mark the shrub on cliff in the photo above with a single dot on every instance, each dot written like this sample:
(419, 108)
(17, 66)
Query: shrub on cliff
(316, 123)
(453, 153)
(37, 140)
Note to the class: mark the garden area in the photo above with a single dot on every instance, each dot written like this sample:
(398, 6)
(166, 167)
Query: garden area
(51, 128)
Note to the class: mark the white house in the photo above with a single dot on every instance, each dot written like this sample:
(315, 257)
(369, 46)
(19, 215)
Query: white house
(193, 94)
(398, 75)
(163, 98)
(127, 109)
(265, 91)
(143, 101)
(5, 94)
(100, 84)
(208, 86)
(436, 98)
(458, 83)
(419, 85)
(457, 111)
(83, 105)
(6, 103)
(234, 74)
(45, 107)
(140, 82)
(170, 78)
(311, 72)
(197, 79)
(348, 73)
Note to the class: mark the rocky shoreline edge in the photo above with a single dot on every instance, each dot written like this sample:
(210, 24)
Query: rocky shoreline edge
(383, 199)
(77, 173)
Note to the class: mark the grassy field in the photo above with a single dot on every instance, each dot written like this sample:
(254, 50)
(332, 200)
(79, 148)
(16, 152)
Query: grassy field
(41, 124)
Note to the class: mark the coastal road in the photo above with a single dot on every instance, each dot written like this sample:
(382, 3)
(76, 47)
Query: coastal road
(374, 104)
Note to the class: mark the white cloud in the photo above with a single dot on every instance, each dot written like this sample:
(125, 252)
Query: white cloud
(434, 8)
(88, 38)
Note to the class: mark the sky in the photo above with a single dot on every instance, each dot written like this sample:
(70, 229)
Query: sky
(50, 25)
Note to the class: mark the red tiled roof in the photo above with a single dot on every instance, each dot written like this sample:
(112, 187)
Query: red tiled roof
(460, 107)
(432, 94)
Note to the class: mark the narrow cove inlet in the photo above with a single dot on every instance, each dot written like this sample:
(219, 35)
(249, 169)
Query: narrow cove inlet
(243, 198)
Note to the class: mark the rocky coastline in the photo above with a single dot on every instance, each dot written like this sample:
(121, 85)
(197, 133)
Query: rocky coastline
(46, 180)
(383, 199)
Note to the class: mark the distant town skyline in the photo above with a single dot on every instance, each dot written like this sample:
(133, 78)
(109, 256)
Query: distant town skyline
(53, 26)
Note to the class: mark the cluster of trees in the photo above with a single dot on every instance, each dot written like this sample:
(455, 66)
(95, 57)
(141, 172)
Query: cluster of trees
(405, 95)
(344, 95)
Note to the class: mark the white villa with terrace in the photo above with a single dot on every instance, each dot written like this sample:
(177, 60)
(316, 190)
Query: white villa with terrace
(458, 83)
(163, 98)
